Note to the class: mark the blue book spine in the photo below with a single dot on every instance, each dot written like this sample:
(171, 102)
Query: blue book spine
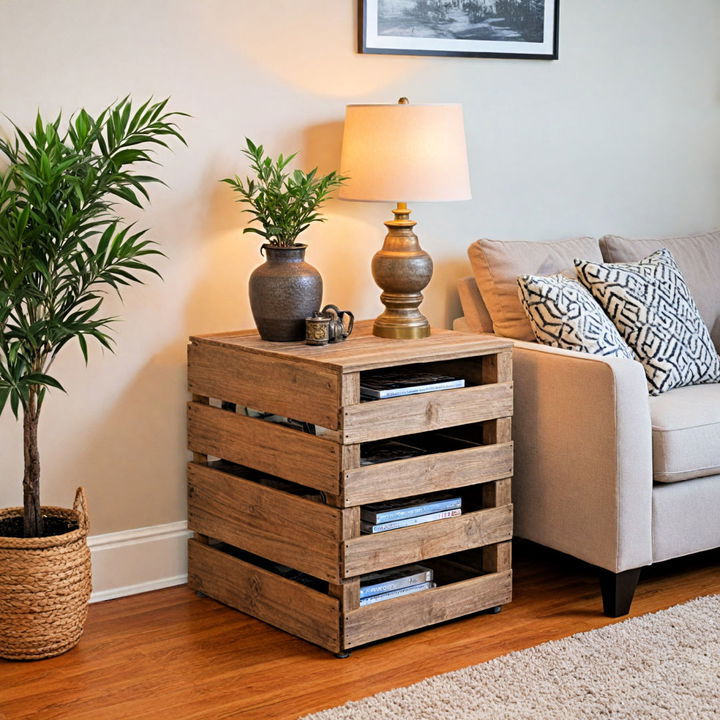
(415, 511)
(396, 584)
(397, 593)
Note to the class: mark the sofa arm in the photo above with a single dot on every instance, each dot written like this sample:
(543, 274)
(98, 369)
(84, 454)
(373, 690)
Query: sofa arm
(583, 455)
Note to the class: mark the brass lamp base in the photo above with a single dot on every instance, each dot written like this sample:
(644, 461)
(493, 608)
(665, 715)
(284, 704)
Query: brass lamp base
(402, 269)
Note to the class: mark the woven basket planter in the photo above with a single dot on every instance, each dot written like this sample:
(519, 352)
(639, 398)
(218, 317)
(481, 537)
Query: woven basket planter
(44, 587)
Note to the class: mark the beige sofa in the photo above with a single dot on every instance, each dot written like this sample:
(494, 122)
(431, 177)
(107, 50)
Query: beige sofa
(603, 471)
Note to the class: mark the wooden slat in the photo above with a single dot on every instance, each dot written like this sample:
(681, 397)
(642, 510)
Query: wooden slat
(202, 400)
(497, 431)
(348, 593)
(496, 493)
(275, 600)
(496, 558)
(413, 544)
(427, 473)
(428, 411)
(277, 450)
(295, 390)
(364, 351)
(497, 368)
(350, 389)
(410, 612)
(282, 527)
(350, 523)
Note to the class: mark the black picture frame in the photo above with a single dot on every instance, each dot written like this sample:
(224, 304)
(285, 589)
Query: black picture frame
(370, 41)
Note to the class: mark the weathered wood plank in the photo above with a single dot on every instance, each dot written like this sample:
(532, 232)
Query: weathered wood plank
(497, 368)
(496, 493)
(428, 411)
(282, 527)
(350, 390)
(496, 558)
(410, 612)
(202, 400)
(364, 351)
(287, 453)
(413, 544)
(427, 473)
(275, 600)
(348, 593)
(497, 431)
(350, 523)
(280, 386)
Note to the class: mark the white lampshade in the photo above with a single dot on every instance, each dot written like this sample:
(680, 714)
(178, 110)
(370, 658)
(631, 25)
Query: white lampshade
(405, 153)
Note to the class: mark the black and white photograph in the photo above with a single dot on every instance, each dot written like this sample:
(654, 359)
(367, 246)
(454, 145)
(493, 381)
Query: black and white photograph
(476, 28)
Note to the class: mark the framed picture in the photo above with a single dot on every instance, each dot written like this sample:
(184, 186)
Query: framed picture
(474, 28)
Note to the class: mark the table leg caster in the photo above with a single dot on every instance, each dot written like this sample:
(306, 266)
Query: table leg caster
(493, 610)
(342, 655)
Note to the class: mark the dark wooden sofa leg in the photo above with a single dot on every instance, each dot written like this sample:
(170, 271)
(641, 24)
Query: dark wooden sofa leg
(618, 590)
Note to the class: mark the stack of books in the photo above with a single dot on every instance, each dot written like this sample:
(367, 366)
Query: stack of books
(395, 383)
(388, 584)
(394, 514)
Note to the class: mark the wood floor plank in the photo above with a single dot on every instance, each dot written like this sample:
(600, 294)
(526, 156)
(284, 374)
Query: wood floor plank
(172, 655)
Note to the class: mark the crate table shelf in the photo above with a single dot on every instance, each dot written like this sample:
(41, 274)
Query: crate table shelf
(261, 493)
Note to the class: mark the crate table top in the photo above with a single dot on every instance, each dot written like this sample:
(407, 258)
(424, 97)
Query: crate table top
(362, 350)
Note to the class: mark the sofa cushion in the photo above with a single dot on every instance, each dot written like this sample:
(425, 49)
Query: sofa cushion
(686, 433)
(652, 307)
(697, 256)
(563, 314)
(497, 265)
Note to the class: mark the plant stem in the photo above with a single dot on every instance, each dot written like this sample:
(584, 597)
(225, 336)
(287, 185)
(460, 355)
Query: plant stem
(32, 514)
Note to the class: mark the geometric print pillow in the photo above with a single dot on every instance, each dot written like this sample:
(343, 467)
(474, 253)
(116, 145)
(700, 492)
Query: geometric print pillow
(563, 314)
(650, 304)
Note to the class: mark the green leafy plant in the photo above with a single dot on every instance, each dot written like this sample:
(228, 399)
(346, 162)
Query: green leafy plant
(63, 246)
(283, 203)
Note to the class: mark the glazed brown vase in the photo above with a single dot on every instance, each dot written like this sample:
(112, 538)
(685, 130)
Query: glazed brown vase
(284, 290)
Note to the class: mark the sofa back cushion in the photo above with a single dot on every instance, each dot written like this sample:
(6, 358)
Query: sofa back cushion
(498, 264)
(697, 256)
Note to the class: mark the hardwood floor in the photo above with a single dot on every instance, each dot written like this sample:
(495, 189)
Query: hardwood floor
(169, 654)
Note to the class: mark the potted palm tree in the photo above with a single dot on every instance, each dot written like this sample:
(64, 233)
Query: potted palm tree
(63, 246)
(285, 289)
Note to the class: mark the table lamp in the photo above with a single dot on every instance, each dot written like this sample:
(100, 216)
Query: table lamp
(402, 153)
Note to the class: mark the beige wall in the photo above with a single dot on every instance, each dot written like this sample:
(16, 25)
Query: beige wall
(621, 135)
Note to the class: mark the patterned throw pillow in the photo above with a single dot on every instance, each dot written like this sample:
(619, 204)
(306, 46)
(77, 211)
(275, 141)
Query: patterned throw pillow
(652, 308)
(562, 313)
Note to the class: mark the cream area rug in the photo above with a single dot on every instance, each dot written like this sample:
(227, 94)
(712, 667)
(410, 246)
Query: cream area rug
(661, 666)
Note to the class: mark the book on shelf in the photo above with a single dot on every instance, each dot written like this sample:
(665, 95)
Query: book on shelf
(396, 593)
(388, 383)
(370, 528)
(384, 581)
(380, 451)
(402, 508)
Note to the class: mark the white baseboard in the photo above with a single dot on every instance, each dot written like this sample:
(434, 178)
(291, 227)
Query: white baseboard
(138, 560)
